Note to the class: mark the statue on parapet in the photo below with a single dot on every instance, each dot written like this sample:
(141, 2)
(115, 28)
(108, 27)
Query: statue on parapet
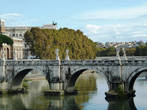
(14, 55)
(3, 54)
(57, 54)
(67, 56)
(122, 46)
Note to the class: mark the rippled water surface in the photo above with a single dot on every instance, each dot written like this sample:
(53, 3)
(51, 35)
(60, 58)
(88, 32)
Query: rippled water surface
(94, 100)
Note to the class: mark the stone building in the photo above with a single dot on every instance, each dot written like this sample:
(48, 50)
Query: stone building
(17, 34)
(19, 49)
(6, 50)
(2, 26)
(112, 44)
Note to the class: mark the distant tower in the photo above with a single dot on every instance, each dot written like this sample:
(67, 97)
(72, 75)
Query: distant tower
(2, 26)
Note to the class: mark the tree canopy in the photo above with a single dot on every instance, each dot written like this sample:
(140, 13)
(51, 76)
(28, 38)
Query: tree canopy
(5, 39)
(44, 42)
(140, 50)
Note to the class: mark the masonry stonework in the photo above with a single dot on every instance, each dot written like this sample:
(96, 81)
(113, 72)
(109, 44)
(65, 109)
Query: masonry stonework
(62, 75)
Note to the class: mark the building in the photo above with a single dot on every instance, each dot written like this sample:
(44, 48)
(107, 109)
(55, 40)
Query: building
(100, 44)
(112, 44)
(2, 26)
(19, 49)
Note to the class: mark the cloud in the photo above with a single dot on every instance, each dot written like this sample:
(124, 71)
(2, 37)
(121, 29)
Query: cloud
(10, 15)
(117, 32)
(126, 13)
(17, 19)
(117, 24)
(93, 28)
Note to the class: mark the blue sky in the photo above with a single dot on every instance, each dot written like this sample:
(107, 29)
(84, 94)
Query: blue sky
(100, 20)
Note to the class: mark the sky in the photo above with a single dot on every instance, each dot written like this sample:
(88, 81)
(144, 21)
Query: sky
(100, 20)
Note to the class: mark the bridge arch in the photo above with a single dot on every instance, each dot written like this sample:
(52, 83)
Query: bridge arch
(20, 75)
(78, 71)
(134, 75)
(75, 76)
(17, 80)
(96, 69)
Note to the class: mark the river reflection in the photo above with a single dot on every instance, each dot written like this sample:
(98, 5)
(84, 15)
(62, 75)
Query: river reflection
(122, 105)
(92, 100)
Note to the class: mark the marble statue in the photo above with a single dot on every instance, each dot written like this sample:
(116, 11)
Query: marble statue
(57, 54)
(123, 46)
(67, 56)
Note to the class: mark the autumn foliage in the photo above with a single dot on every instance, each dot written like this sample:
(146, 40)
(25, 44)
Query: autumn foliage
(44, 42)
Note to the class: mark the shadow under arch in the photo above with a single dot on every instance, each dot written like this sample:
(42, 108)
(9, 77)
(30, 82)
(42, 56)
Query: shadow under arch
(75, 76)
(17, 80)
(134, 76)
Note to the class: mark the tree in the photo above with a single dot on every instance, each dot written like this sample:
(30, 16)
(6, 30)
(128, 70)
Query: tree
(5, 39)
(108, 52)
(43, 42)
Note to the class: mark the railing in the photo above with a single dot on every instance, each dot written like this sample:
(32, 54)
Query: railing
(107, 61)
(32, 62)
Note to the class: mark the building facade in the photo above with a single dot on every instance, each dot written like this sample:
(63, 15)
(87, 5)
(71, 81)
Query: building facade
(19, 50)
(2, 26)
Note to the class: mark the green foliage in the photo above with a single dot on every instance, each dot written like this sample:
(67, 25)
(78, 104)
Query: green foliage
(140, 50)
(25, 83)
(44, 42)
(120, 90)
(86, 82)
(108, 52)
(5, 39)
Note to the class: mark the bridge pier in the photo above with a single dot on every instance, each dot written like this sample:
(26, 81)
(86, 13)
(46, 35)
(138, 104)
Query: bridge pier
(56, 85)
(119, 90)
(3, 86)
(6, 87)
(55, 80)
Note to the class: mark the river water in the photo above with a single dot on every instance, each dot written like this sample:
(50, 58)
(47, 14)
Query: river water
(92, 100)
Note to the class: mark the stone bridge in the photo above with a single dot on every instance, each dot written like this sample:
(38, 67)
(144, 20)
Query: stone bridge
(62, 75)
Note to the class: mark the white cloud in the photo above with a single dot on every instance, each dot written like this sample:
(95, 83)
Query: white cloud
(126, 13)
(93, 28)
(140, 35)
(10, 15)
(118, 32)
(120, 24)
(17, 19)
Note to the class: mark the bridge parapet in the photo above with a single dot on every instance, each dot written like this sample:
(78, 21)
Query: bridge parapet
(32, 62)
(91, 62)
(105, 62)
(74, 62)
(129, 58)
(1, 62)
(134, 62)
